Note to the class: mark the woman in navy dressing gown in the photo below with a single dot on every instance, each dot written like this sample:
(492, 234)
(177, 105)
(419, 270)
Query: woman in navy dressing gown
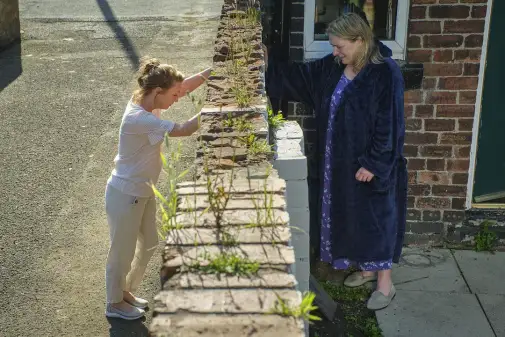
(357, 96)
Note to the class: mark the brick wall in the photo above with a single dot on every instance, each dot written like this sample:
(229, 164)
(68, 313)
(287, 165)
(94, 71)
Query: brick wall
(446, 36)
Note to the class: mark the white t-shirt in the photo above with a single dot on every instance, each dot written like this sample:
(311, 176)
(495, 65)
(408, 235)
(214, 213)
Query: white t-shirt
(138, 162)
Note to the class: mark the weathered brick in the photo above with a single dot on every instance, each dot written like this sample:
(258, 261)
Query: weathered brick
(410, 150)
(467, 97)
(414, 42)
(433, 203)
(465, 124)
(416, 164)
(467, 55)
(474, 26)
(408, 110)
(297, 10)
(441, 97)
(420, 55)
(448, 1)
(449, 12)
(433, 178)
(418, 12)
(435, 164)
(425, 239)
(296, 25)
(424, 111)
(458, 83)
(444, 55)
(439, 125)
(413, 96)
(296, 39)
(441, 69)
(267, 278)
(222, 301)
(413, 124)
(413, 214)
(458, 165)
(479, 11)
(461, 138)
(421, 138)
(422, 227)
(419, 190)
(423, 2)
(462, 151)
(474, 41)
(471, 69)
(458, 203)
(452, 111)
(431, 215)
(413, 177)
(429, 83)
(425, 27)
(454, 216)
(442, 41)
(460, 178)
(474, 1)
(411, 201)
(449, 190)
(436, 151)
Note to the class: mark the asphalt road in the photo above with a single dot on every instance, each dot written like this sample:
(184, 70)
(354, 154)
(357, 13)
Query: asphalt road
(62, 94)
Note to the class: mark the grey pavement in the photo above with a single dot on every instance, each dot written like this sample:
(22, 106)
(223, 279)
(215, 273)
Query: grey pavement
(62, 94)
(443, 293)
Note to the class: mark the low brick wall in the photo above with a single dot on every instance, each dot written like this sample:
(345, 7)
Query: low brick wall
(228, 260)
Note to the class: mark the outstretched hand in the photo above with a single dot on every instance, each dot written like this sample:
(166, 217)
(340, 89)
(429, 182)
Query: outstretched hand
(364, 175)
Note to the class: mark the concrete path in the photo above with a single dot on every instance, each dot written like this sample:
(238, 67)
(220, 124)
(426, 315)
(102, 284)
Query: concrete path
(62, 94)
(441, 293)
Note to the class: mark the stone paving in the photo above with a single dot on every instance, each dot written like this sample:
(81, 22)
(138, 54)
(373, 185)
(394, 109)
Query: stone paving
(443, 293)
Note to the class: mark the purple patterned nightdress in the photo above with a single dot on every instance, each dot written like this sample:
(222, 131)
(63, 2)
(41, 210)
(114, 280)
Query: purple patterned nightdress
(341, 263)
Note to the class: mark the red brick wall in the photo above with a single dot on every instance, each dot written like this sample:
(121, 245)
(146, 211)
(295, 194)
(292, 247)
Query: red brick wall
(445, 35)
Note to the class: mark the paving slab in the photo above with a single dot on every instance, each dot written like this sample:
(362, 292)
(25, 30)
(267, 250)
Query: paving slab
(483, 271)
(428, 270)
(433, 314)
(494, 307)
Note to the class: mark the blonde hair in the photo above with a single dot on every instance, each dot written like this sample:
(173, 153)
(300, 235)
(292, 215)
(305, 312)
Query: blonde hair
(351, 26)
(152, 74)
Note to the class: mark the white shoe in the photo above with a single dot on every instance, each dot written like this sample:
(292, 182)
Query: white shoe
(137, 302)
(130, 315)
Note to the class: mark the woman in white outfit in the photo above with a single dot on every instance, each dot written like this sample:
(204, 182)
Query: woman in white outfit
(129, 199)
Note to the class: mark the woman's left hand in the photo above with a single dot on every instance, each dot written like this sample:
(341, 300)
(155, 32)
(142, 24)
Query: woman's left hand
(364, 175)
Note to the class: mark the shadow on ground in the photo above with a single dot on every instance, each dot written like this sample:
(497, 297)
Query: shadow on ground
(122, 328)
(10, 65)
(120, 33)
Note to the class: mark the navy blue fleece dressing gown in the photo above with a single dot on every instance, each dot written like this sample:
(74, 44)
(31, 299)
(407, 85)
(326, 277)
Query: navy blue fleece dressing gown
(368, 219)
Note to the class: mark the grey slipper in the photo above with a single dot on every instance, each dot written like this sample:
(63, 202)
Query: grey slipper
(357, 279)
(130, 315)
(379, 301)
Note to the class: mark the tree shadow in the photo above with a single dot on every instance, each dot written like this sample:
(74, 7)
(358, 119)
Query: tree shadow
(10, 64)
(123, 328)
(121, 35)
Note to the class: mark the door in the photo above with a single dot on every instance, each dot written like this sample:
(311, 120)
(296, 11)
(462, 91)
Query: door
(489, 183)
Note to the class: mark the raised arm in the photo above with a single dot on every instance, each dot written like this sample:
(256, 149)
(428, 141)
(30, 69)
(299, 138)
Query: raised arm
(300, 82)
(191, 83)
(187, 128)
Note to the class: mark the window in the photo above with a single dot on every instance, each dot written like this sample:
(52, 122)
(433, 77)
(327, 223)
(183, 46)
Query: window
(388, 19)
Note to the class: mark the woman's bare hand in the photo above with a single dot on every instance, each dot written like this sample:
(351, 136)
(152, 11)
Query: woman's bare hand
(364, 175)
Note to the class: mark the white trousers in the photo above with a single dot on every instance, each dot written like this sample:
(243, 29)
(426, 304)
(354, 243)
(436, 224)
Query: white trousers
(133, 240)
